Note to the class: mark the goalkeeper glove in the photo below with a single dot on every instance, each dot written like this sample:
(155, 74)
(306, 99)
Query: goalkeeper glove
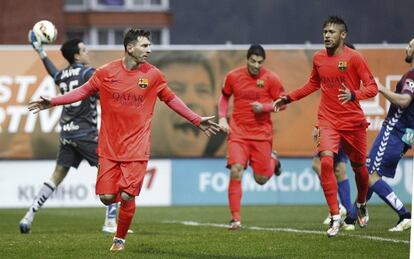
(36, 44)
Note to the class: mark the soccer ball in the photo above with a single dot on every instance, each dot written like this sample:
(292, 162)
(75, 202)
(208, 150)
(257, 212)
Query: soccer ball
(45, 31)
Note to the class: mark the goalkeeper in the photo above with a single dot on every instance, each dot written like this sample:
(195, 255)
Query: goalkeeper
(78, 122)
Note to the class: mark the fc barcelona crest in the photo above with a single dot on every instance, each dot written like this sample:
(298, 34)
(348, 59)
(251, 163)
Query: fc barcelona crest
(260, 83)
(342, 66)
(143, 82)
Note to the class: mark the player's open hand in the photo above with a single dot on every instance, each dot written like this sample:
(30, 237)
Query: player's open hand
(208, 126)
(280, 103)
(38, 105)
(316, 134)
(224, 125)
(345, 94)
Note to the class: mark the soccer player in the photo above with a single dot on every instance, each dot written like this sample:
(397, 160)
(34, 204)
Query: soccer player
(393, 141)
(340, 160)
(338, 71)
(344, 188)
(250, 132)
(128, 89)
(79, 133)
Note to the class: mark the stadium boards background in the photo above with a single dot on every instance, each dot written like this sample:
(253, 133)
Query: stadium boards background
(196, 76)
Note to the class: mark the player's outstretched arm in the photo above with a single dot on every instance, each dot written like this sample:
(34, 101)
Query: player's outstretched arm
(38, 47)
(176, 104)
(38, 105)
(402, 100)
(78, 94)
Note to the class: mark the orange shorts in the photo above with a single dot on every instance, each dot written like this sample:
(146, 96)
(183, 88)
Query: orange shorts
(258, 153)
(115, 177)
(354, 143)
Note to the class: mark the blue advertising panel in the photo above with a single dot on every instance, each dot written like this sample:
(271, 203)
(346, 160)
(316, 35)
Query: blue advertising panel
(205, 182)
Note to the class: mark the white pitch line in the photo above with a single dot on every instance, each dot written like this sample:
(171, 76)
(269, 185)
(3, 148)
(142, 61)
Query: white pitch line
(290, 230)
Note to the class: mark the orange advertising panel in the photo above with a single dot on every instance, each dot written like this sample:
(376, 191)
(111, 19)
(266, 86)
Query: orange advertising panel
(196, 76)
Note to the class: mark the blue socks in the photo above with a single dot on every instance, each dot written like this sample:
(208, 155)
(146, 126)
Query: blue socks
(385, 192)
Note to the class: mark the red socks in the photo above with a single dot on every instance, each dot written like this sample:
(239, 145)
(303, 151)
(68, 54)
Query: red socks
(361, 179)
(235, 195)
(328, 182)
(125, 216)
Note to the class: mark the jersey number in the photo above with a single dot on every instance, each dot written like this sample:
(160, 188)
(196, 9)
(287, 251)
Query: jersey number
(65, 89)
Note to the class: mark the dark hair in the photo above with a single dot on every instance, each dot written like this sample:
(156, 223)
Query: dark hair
(336, 20)
(256, 49)
(349, 45)
(69, 49)
(132, 36)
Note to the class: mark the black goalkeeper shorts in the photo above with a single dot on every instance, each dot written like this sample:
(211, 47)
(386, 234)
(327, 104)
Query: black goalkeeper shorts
(72, 152)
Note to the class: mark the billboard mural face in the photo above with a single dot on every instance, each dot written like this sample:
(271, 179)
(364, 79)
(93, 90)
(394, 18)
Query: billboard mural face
(196, 77)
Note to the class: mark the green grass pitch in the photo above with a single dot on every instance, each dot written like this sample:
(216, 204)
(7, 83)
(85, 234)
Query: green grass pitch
(199, 232)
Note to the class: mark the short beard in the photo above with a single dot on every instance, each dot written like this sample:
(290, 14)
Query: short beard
(332, 48)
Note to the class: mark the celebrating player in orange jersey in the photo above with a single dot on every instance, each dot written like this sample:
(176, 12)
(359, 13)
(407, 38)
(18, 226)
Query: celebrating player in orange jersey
(338, 71)
(254, 88)
(128, 89)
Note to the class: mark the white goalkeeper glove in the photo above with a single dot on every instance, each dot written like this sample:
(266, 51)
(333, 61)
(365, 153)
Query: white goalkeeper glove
(36, 44)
